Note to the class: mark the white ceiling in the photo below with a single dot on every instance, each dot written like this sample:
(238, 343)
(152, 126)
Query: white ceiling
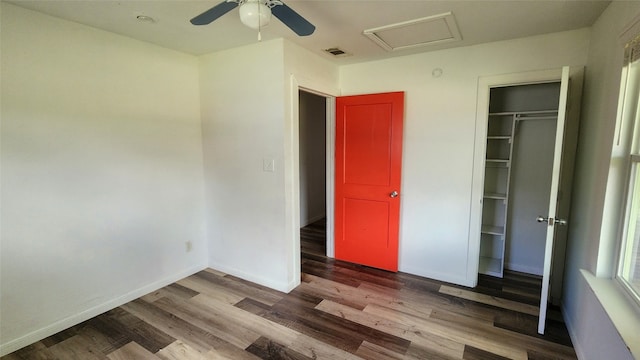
(338, 23)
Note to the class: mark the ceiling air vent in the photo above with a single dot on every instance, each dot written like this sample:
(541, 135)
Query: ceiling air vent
(337, 52)
(429, 30)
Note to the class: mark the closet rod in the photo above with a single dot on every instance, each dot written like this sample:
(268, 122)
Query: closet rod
(536, 118)
(536, 112)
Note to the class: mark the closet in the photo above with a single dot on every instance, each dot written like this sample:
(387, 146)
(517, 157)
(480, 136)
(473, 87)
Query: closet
(526, 138)
(518, 162)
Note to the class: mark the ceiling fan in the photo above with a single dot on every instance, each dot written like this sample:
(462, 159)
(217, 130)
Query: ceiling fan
(257, 13)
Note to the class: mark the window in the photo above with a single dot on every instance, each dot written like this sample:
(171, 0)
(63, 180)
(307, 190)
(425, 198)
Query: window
(629, 266)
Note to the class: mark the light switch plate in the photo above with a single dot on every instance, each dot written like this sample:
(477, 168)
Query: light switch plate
(268, 165)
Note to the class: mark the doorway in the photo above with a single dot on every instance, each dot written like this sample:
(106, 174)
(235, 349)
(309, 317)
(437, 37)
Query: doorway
(312, 133)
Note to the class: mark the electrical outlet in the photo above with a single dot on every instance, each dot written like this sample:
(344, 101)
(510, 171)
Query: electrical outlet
(188, 246)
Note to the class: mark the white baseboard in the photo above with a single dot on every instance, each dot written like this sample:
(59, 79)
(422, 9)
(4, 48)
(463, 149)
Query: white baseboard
(568, 321)
(276, 285)
(75, 319)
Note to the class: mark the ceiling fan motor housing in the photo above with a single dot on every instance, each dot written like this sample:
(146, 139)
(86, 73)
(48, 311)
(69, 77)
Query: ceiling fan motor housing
(255, 14)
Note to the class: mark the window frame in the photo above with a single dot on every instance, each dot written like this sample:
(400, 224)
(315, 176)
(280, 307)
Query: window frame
(632, 196)
(629, 113)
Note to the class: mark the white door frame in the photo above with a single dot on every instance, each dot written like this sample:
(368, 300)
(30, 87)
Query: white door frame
(330, 162)
(292, 171)
(563, 145)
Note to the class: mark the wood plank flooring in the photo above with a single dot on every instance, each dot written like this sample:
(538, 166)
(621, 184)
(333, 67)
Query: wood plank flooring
(340, 311)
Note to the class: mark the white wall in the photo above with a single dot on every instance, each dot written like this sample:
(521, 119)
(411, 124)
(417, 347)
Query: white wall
(249, 116)
(313, 116)
(101, 172)
(590, 327)
(243, 125)
(439, 137)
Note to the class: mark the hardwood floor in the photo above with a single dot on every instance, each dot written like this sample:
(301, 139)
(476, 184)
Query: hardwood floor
(340, 311)
(313, 238)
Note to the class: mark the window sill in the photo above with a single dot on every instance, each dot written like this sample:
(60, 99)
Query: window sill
(622, 311)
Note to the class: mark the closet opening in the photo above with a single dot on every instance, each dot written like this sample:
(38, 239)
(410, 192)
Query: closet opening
(526, 138)
(521, 131)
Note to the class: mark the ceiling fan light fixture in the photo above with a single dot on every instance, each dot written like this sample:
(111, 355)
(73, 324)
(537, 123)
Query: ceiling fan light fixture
(255, 14)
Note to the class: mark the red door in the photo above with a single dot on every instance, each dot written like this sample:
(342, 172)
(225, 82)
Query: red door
(368, 164)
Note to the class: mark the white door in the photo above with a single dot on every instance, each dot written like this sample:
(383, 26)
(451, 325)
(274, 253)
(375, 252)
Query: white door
(551, 220)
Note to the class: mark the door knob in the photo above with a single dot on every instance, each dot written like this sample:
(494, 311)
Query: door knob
(551, 221)
(562, 222)
(393, 194)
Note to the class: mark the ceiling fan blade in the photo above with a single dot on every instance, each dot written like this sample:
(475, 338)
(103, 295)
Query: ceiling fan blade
(215, 12)
(293, 20)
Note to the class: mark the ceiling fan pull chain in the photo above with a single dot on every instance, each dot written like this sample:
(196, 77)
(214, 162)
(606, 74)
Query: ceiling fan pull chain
(259, 25)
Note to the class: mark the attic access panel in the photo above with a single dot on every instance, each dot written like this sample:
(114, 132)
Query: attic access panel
(425, 31)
